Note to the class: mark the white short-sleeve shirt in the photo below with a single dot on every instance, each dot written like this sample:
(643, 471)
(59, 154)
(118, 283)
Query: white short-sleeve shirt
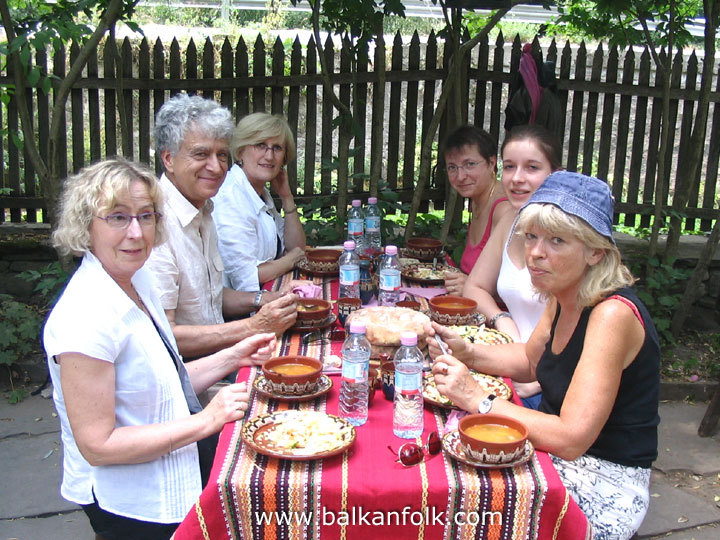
(96, 318)
(248, 228)
(187, 266)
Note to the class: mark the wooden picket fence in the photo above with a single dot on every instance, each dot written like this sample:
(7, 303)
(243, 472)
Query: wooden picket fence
(612, 123)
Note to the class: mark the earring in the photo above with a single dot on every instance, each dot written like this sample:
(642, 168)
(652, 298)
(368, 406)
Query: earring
(240, 163)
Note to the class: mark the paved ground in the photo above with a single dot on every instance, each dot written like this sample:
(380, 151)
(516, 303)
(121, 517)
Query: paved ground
(685, 489)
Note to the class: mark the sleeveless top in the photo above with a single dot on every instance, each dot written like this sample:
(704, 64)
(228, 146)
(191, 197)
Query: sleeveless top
(516, 290)
(471, 253)
(629, 437)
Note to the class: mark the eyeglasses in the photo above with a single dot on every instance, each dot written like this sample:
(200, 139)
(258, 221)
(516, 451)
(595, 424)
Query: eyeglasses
(119, 220)
(411, 454)
(263, 148)
(468, 166)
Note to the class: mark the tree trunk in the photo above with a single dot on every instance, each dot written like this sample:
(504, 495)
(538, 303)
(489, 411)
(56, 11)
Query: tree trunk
(426, 147)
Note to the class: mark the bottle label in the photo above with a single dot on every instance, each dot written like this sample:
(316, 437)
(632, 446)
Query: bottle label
(355, 227)
(372, 224)
(390, 280)
(407, 384)
(349, 274)
(354, 372)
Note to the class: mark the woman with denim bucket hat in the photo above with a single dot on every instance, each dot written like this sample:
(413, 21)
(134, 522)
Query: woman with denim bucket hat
(595, 352)
(530, 154)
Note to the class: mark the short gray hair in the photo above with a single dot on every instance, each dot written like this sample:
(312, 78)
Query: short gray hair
(183, 113)
(94, 190)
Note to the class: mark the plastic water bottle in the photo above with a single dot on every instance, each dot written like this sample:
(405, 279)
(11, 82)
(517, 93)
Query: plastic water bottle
(356, 224)
(408, 403)
(373, 217)
(389, 282)
(354, 387)
(349, 263)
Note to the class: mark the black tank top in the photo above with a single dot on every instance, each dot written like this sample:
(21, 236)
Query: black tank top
(630, 435)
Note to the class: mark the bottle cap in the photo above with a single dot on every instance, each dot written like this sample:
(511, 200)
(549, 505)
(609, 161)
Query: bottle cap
(356, 202)
(408, 338)
(372, 200)
(358, 327)
(390, 250)
(349, 245)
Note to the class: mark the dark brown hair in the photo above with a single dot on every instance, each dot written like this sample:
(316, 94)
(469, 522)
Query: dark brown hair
(547, 142)
(471, 136)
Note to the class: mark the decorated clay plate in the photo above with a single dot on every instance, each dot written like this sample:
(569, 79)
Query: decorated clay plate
(491, 384)
(481, 334)
(412, 254)
(304, 266)
(320, 326)
(451, 444)
(264, 388)
(298, 435)
(424, 273)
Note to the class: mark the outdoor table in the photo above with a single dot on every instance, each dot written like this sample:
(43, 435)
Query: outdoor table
(364, 493)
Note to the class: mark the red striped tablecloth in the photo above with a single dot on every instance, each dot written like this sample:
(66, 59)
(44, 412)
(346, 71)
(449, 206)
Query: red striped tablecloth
(364, 494)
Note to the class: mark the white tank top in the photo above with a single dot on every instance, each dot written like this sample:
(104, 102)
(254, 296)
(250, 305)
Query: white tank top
(516, 290)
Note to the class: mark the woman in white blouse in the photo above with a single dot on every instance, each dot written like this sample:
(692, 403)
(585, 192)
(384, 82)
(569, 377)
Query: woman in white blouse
(256, 243)
(137, 443)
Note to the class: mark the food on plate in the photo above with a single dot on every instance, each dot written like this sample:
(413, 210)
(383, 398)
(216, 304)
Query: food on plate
(493, 433)
(422, 272)
(481, 334)
(489, 383)
(292, 368)
(304, 433)
(384, 324)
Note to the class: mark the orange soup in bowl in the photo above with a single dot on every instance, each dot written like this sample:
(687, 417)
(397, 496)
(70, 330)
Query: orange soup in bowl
(293, 368)
(495, 433)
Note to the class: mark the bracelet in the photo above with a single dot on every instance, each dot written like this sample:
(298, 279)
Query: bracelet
(291, 211)
(493, 321)
(258, 298)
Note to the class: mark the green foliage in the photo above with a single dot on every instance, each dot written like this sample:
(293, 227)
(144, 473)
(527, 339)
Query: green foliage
(19, 336)
(49, 282)
(661, 292)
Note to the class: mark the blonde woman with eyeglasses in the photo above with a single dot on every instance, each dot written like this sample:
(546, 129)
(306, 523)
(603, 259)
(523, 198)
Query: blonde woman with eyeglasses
(256, 243)
(471, 165)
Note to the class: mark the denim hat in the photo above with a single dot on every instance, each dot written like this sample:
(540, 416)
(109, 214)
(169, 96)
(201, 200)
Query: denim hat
(582, 196)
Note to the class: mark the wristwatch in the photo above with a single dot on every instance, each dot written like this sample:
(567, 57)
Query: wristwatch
(486, 404)
(258, 298)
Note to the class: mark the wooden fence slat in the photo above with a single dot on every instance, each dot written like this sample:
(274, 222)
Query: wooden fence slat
(242, 69)
(13, 123)
(431, 52)
(573, 144)
(623, 126)
(208, 66)
(109, 103)
(393, 143)
(127, 94)
(29, 177)
(158, 95)
(686, 135)
(278, 70)
(378, 110)
(175, 65)
(226, 70)
(465, 87)
(310, 121)
(191, 62)
(258, 69)
(591, 114)
(59, 71)
(481, 85)
(76, 120)
(93, 111)
(144, 138)
(653, 150)
(496, 88)
(675, 79)
(713, 157)
(327, 133)
(360, 91)
(638, 137)
(608, 117)
(344, 91)
(565, 62)
(293, 113)
(411, 103)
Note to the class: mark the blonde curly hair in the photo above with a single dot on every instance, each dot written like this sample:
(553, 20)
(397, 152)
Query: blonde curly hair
(94, 190)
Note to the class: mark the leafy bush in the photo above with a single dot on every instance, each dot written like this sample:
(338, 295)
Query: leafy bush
(19, 332)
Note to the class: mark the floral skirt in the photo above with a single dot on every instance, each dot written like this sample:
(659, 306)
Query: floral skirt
(614, 497)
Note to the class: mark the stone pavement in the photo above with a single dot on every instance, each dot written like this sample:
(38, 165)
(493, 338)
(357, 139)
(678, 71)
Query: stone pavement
(685, 481)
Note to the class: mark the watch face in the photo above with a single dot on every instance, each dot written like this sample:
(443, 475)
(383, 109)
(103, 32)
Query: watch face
(486, 404)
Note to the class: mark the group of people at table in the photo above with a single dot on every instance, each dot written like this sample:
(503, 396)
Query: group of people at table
(168, 300)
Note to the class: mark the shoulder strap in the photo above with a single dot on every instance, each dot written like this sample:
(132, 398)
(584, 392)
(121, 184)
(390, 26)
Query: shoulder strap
(629, 304)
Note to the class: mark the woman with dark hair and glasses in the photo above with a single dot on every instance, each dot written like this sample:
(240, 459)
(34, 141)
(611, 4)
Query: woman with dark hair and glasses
(471, 164)
(138, 446)
(256, 243)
